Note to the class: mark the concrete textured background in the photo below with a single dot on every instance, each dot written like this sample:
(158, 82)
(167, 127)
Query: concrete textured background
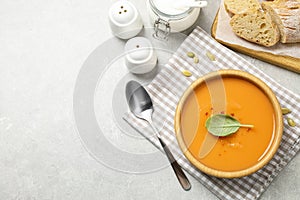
(43, 45)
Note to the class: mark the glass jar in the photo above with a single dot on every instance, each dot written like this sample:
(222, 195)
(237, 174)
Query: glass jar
(166, 18)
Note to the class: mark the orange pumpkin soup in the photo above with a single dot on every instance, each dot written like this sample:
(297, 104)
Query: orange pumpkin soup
(245, 102)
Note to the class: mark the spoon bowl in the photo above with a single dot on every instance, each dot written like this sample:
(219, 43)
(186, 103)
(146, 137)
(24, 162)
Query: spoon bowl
(138, 99)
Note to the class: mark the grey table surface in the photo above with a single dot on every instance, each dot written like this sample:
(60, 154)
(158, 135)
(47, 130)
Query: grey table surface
(43, 45)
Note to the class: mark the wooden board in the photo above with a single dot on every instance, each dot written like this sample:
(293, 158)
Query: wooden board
(286, 62)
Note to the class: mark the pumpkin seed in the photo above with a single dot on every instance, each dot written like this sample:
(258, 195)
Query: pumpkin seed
(196, 60)
(285, 111)
(291, 122)
(186, 73)
(210, 56)
(190, 54)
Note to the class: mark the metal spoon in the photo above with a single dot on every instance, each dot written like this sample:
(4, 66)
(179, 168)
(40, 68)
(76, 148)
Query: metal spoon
(141, 106)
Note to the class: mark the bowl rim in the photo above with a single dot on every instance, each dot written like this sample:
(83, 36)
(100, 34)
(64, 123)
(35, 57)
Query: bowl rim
(277, 117)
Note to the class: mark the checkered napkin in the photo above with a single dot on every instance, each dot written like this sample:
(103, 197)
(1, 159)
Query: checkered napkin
(166, 90)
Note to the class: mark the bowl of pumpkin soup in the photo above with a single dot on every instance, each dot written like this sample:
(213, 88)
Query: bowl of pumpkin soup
(228, 123)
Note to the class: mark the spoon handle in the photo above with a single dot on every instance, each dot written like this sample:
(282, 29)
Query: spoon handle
(183, 180)
(176, 167)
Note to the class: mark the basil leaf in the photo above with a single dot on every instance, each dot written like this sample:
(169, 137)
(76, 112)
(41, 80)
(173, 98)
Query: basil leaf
(223, 125)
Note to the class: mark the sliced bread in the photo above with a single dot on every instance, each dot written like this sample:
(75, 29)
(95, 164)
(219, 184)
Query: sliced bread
(286, 14)
(234, 7)
(255, 26)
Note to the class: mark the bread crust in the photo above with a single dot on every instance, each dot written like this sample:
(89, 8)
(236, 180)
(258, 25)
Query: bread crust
(234, 7)
(286, 14)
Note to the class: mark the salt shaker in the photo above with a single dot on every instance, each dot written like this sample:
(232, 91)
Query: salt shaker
(124, 19)
(140, 56)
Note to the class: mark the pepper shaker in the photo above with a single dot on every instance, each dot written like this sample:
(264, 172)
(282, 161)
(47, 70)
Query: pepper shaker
(140, 56)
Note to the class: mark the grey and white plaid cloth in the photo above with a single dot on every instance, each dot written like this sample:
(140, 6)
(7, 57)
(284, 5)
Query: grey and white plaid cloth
(166, 90)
